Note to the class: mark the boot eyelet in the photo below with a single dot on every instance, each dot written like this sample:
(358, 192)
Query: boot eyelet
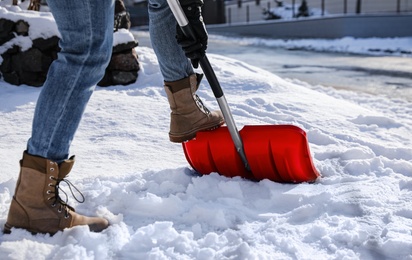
(51, 169)
(51, 178)
(59, 210)
(66, 216)
(50, 185)
(53, 205)
(48, 191)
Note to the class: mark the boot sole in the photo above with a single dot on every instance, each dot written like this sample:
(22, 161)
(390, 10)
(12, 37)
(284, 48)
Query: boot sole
(192, 134)
(92, 228)
(7, 229)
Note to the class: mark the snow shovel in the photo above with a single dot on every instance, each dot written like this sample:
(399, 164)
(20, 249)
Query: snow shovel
(276, 152)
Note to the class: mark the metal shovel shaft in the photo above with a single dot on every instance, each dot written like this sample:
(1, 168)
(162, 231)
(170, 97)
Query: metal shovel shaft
(212, 79)
(224, 107)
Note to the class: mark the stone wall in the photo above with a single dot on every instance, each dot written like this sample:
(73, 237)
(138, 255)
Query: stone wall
(123, 67)
(27, 67)
(30, 66)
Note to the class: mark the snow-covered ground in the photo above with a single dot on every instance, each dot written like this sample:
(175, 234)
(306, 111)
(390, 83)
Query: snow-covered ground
(400, 46)
(159, 208)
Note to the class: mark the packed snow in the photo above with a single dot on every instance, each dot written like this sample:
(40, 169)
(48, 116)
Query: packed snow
(159, 208)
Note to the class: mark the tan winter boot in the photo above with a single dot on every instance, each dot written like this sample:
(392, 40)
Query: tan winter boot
(36, 205)
(188, 115)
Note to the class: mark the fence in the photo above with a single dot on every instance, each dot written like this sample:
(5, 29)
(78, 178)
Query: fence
(256, 10)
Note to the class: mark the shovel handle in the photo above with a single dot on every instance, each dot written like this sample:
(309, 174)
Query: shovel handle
(212, 79)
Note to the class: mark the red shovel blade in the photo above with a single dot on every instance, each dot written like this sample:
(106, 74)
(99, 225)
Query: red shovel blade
(276, 152)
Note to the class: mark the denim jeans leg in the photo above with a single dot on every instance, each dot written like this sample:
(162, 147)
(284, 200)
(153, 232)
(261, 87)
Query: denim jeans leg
(86, 42)
(174, 65)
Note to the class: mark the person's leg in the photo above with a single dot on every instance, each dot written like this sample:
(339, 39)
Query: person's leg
(86, 29)
(188, 115)
(162, 27)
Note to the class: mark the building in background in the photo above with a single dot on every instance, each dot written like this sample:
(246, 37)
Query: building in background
(257, 10)
(290, 19)
(234, 11)
(213, 12)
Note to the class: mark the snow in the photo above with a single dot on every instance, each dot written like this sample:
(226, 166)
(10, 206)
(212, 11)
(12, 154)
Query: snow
(397, 46)
(159, 208)
(41, 23)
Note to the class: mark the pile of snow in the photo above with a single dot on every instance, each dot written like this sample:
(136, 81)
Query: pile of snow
(159, 208)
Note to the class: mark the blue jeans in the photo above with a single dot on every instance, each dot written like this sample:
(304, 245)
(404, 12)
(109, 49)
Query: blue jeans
(86, 28)
(162, 25)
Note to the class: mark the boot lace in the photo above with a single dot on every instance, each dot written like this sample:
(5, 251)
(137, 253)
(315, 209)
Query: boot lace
(63, 203)
(200, 105)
